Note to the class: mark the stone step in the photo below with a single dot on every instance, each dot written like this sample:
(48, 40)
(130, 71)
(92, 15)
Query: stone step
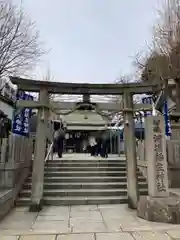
(82, 179)
(66, 201)
(87, 168)
(82, 165)
(82, 192)
(86, 173)
(85, 161)
(85, 185)
(87, 179)
(78, 182)
(94, 161)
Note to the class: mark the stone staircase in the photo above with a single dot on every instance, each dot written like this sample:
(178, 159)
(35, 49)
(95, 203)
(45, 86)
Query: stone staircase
(78, 182)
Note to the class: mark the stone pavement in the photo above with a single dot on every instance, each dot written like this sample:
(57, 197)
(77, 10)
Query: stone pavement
(103, 222)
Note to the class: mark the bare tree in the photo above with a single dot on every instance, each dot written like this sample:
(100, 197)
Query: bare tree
(20, 47)
(50, 78)
(166, 32)
(123, 79)
(162, 62)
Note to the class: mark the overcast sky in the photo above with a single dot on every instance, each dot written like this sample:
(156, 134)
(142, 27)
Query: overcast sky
(91, 40)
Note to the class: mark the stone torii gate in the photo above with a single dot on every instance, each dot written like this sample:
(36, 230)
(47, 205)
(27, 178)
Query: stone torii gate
(44, 105)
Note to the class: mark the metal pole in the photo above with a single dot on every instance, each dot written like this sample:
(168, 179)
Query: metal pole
(140, 116)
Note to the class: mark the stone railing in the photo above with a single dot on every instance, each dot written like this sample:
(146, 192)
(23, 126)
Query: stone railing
(15, 165)
(173, 149)
(173, 156)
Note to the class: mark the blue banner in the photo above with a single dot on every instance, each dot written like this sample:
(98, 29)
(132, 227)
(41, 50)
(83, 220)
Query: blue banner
(147, 100)
(21, 121)
(166, 120)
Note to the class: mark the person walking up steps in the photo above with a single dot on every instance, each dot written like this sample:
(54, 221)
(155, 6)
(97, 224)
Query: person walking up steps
(59, 137)
(104, 149)
(98, 146)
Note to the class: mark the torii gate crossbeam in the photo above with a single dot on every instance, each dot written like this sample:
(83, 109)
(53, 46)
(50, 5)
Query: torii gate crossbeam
(83, 88)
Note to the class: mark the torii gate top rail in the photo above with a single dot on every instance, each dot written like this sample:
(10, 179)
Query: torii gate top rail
(83, 88)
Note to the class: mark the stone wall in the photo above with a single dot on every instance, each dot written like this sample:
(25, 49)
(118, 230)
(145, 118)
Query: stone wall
(173, 153)
(6, 202)
(173, 159)
(15, 164)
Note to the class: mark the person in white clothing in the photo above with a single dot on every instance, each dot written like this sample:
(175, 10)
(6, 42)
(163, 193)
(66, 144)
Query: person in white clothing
(84, 145)
(92, 144)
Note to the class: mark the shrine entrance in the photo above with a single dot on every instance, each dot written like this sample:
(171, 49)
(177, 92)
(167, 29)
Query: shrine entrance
(45, 106)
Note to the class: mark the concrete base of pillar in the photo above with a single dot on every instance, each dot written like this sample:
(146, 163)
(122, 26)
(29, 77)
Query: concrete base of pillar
(165, 210)
(35, 207)
(130, 204)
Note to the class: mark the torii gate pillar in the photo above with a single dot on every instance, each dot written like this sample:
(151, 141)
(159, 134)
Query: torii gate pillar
(40, 151)
(130, 150)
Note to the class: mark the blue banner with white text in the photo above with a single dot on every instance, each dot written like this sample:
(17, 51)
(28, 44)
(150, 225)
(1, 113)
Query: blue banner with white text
(166, 120)
(21, 121)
